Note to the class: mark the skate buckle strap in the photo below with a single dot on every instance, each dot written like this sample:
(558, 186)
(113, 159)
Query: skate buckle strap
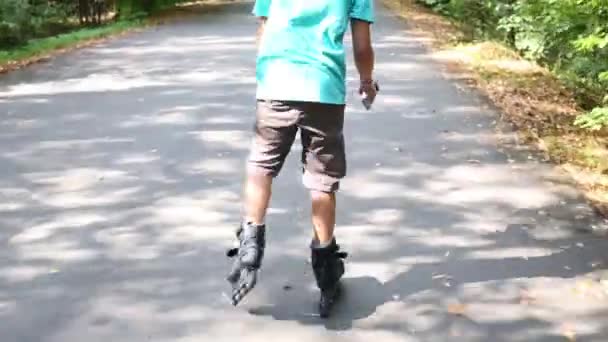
(340, 254)
(232, 252)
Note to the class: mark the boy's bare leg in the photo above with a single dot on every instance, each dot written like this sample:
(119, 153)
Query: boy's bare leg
(251, 235)
(258, 189)
(323, 216)
(327, 263)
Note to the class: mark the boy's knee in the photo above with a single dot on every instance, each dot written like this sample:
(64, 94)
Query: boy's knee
(319, 196)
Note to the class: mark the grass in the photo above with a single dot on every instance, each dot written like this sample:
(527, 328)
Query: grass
(40, 48)
(540, 104)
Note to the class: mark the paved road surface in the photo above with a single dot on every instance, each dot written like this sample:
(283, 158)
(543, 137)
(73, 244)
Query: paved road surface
(120, 178)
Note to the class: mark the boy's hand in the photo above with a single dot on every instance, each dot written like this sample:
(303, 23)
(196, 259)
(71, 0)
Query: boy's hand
(368, 89)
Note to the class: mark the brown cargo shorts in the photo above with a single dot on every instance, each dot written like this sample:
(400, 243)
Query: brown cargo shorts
(321, 132)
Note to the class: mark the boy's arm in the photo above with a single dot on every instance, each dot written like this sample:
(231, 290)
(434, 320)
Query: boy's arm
(362, 49)
(364, 60)
(261, 9)
(260, 31)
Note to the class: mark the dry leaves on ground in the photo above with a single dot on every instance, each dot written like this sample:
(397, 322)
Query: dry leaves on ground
(457, 309)
(531, 98)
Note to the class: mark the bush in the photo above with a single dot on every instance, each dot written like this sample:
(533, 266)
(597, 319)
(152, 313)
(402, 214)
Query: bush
(569, 36)
(21, 20)
(15, 23)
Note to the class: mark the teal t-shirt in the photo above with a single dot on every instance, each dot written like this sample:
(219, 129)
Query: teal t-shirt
(301, 55)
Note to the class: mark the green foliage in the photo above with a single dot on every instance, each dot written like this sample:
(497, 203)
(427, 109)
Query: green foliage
(23, 20)
(43, 45)
(141, 8)
(14, 22)
(594, 120)
(569, 36)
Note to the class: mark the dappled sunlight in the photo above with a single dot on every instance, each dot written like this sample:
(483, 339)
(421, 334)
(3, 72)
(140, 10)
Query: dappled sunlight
(165, 118)
(91, 83)
(214, 166)
(116, 82)
(512, 252)
(122, 171)
(76, 199)
(181, 46)
(396, 67)
(64, 251)
(75, 179)
(45, 231)
(137, 158)
(230, 140)
(467, 184)
(460, 185)
(394, 100)
(22, 273)
(28, 153)
(198, 212)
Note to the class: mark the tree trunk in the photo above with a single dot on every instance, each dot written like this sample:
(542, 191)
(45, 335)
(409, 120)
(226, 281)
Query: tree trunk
(84, 10)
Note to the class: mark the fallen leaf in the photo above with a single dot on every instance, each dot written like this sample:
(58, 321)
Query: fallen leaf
(455, 332)
(457, 309)
(596, 264)
(604, 284)
(526, 297)
(584, 288)
(568, 332)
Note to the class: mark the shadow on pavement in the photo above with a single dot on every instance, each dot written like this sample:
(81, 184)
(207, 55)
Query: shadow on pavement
(120, 182)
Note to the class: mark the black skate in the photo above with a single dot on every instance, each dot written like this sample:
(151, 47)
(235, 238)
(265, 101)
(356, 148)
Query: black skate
(249, 255)
(328, 268)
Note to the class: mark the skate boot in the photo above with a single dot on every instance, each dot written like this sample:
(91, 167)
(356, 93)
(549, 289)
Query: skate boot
(328, 268)
(248, 260)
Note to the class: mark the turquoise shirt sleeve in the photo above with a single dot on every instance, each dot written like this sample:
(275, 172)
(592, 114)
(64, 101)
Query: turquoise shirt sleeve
(363, 10)
(261, 8)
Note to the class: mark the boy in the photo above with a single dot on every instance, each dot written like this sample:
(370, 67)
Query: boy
(301, 77)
